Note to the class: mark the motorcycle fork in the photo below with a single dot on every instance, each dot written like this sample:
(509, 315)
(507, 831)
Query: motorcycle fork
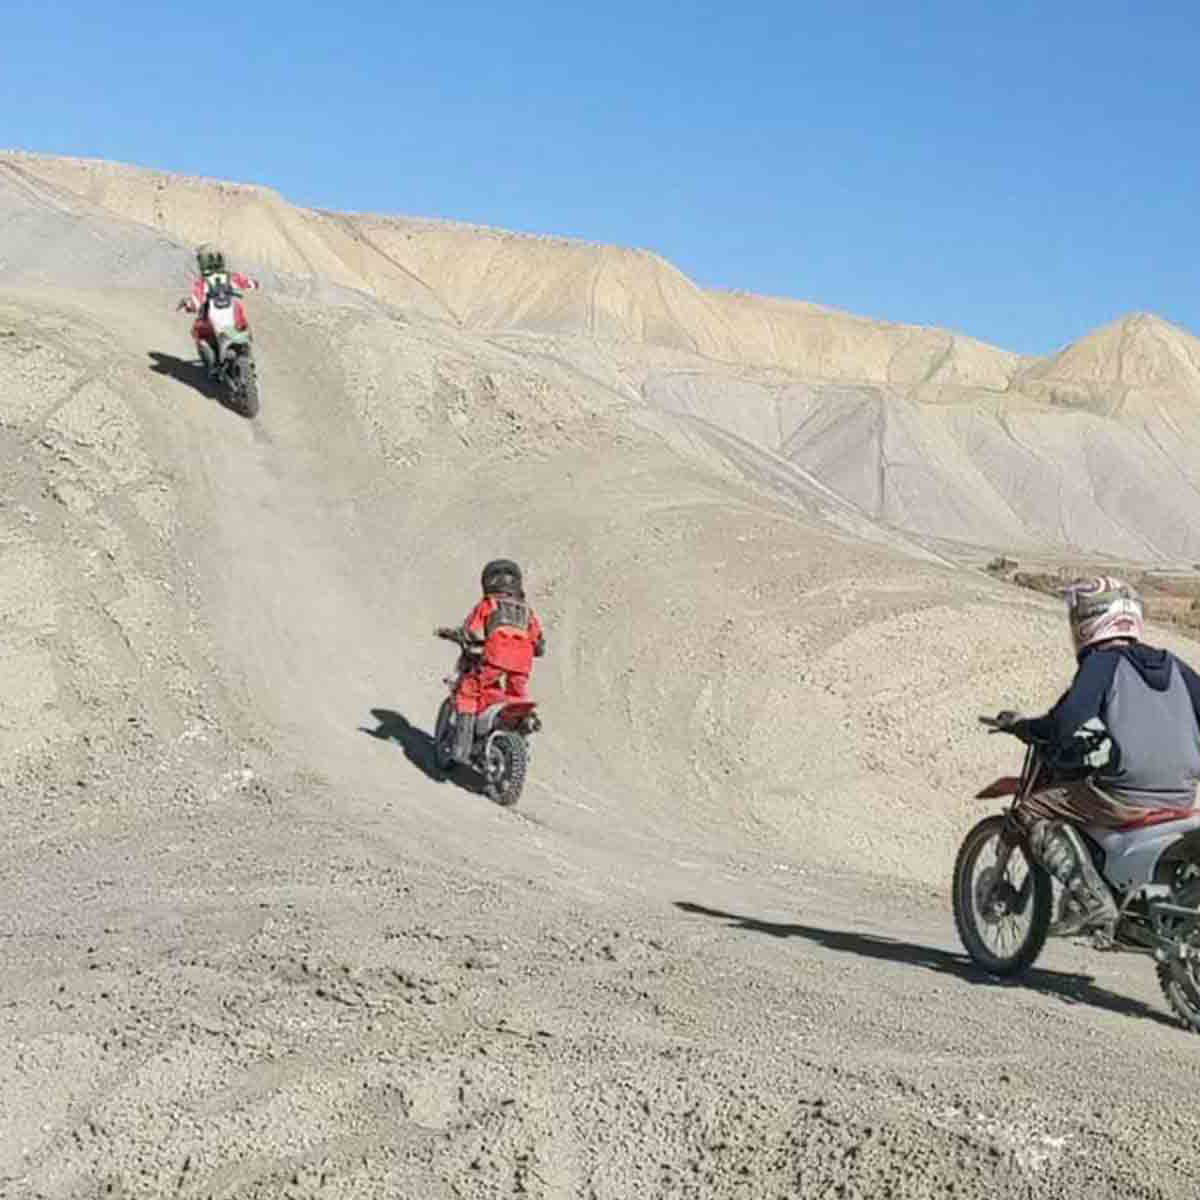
(1012, 835)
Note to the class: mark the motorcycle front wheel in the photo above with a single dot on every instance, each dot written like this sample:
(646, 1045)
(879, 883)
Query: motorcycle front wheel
(1001, 909)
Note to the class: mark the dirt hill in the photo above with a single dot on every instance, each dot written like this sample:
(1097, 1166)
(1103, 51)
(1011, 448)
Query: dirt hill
(258, 946)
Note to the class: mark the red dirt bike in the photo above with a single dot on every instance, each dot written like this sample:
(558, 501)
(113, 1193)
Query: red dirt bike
(500, 752)
(1002, 900)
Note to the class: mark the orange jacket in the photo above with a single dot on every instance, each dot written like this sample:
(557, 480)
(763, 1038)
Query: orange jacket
(510, 631)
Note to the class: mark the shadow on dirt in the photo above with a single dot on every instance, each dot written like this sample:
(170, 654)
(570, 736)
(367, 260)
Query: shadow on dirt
(190, 373)
(1073, 989)
(193, 375)
(418, 749)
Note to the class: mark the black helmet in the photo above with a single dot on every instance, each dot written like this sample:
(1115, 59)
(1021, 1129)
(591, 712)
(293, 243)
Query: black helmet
(502, 575)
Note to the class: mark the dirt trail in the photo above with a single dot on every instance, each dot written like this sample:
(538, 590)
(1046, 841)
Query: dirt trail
(254, 951)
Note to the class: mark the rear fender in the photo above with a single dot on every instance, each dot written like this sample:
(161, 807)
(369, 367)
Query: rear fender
(485, 722)
(1183, 850)
(514, 714)
(1135, 857)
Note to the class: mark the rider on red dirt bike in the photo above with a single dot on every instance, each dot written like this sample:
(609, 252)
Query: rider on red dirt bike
(511, 637)
(1149, 703)
(210, 262)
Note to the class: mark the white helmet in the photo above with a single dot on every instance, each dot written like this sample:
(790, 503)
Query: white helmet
(1101, 608)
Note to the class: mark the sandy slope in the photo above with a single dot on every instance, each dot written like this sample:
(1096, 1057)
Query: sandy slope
(253, 951)
(936, 434)
(490, 279)
(1090, 450)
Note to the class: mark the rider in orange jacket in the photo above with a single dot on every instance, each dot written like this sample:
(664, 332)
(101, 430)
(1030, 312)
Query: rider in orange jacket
(210, 262)
(509, 636)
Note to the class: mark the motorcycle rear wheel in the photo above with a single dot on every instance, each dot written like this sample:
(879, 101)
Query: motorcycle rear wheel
(1180, 978)
(508, 759)
(984, 906)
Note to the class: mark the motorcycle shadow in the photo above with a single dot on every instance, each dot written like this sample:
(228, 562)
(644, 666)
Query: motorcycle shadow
(1071, 988)
(183, 371)
(418, 749)
(190, 373)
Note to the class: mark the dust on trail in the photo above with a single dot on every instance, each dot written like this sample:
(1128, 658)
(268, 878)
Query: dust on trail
(256, 946)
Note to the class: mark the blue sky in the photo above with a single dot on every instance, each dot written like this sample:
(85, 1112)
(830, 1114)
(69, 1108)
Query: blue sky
(1020, 172)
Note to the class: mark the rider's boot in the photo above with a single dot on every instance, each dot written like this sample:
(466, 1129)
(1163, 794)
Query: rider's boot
(1087, 904)
(208, 356)
(464, 737)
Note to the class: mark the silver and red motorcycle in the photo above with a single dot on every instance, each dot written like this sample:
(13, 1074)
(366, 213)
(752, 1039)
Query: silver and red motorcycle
(1002, 900)
(500, 752)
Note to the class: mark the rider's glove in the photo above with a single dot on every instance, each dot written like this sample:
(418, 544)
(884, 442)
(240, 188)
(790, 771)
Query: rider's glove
(1014, 723)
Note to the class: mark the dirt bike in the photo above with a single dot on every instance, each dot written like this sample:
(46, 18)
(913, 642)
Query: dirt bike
(500, 752)
(236, 369)
(236, 373)
(1002, 900)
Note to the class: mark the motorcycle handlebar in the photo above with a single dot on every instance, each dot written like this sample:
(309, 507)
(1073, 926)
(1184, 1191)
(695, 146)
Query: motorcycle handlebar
(458, 637)
(1002, 721)
(1008, 722)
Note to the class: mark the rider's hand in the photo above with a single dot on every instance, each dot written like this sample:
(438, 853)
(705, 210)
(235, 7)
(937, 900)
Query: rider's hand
(1017, 725)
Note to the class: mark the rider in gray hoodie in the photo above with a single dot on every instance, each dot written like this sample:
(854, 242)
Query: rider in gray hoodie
(1148, 701)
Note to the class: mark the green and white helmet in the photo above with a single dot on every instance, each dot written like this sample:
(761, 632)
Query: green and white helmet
(1102, 608)
(209, 259)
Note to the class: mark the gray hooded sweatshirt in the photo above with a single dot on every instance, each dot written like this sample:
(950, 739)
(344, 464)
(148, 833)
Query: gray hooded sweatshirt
(1149, 701)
